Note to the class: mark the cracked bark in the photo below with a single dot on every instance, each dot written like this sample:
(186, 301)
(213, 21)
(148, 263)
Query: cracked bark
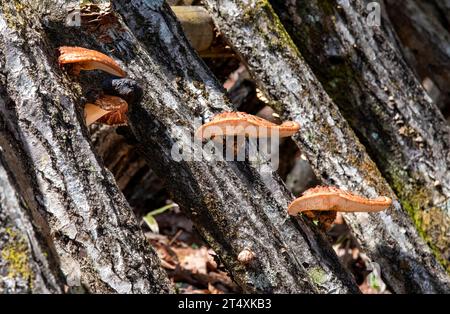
(233, 204)
(335, 153)
(26, 262)
(74, 201)
(405, 133)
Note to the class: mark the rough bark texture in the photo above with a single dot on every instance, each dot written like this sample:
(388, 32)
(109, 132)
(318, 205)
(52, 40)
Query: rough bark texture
(423, 29)
(366, 76)
(64, 221)
(233, 204)
(334, 151)
(26, 263)
(72, 198)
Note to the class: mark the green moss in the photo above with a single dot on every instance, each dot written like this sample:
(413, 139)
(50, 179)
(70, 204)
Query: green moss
(19, 6)
(16, 254)
(414, 200)
(338, 76)
(274, 33)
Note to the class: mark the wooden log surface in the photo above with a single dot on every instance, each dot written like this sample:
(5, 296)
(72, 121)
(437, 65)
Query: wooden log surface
(96, 239)
(233, 205)
(83, 216)
(385, 104)
(27, 263)
(334, 151)
(422, 27)
(197, 25)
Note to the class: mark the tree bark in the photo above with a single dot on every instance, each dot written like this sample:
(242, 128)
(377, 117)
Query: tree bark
(233, 204)
(387, 107)
(423, 29)
(335, 153)
(82, 221)
(97, 242)
(26, 262)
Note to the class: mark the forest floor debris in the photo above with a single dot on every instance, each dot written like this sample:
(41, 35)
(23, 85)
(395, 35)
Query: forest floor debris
(194, 268)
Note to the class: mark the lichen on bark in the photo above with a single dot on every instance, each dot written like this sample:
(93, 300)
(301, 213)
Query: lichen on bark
(15, 255)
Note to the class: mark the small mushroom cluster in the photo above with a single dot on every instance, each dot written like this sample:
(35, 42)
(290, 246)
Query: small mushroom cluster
(325, 199)
(112, 107)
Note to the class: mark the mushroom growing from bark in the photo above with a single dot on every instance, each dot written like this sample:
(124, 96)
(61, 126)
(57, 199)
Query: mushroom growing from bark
(86, 59)
(107, 109)
(325, 198)
(244, 124)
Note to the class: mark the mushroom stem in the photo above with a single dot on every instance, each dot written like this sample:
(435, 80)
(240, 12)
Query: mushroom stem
(92, 113)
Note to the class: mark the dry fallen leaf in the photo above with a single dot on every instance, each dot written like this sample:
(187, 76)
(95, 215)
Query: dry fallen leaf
(195, 260)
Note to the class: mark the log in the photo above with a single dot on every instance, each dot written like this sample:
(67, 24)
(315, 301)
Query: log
(404, 132)
(96, 239)
(423, 31)
(26, 261)
(335, 153)
(233, 205)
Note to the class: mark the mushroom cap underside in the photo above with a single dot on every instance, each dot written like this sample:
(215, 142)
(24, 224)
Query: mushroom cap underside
(113, 118)
(117, 108)
(97, 65)
(112, 109)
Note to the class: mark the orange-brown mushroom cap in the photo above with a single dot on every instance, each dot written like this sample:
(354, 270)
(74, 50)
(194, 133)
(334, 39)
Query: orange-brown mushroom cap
(107, 109)
(86, 59)
(241, 123)
(331, 198)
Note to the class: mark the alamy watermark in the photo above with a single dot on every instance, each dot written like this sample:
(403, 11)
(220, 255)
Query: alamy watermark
(74, 12)
(257, 145)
